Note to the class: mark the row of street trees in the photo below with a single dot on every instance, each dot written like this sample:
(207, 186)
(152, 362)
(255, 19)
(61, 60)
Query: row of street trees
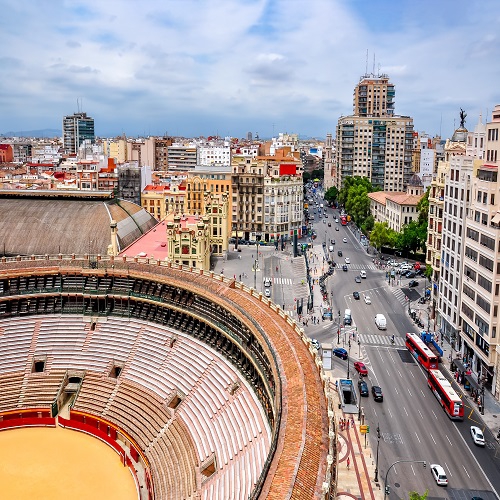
(354, 198)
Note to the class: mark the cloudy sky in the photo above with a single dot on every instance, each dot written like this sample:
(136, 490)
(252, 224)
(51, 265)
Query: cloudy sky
(227, 67)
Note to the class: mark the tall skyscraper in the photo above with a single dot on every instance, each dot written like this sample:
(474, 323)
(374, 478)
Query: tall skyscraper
(76, 129)
(374, 142)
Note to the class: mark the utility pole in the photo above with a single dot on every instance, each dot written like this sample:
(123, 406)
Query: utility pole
(376, 460)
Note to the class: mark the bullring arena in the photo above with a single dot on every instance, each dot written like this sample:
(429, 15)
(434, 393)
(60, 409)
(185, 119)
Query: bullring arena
(204, 388)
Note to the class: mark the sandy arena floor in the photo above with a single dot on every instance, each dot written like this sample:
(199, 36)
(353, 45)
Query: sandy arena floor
(56, 464)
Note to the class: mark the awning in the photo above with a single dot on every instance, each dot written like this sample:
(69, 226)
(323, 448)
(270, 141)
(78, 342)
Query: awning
(496, 218)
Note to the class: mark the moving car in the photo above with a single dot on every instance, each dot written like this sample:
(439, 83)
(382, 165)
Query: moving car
(362, 274)
(347, 260)
(355, 295)
(368, 300)
(357, 279)
(361, 368)
(413, 283)
(380, 321)
(345, 240)
(267, 282)
(339, 253)
(344, 267)
(329, 224)
(439, 475)
(340, 353)
(410, 274)
(377, 393)
(477, 435)
(330, 248)
(267, 292)
(363, 388)
(347, 317)
(336, 228)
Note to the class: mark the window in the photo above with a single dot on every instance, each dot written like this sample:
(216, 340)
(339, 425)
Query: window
(471, 254)
(484, 283)
(483, 303)
(485, 262)
(473, 235)
(467, 311)
(471, 274)
(483, 325)
(488, 242)
(469, 292)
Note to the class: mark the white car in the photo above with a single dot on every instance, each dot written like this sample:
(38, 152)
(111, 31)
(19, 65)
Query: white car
(336, 220)
(362, 274)
(347, 260)
(439, 475)
(477, 435)
(267, 292)
(345, 240)
(315, 343)
(267, 282)
(368, 300)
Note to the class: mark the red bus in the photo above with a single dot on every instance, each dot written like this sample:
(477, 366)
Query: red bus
(446, 395)
(343, 220)
(421, 352)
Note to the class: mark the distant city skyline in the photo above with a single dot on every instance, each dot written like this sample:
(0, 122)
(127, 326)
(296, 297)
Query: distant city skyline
(190, 68)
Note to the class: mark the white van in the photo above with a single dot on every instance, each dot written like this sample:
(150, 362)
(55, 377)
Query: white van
(347, 317)
(330, 248)
(381, 322)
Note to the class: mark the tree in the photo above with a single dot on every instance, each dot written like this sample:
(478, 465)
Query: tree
(358, 203)
(379, 236)
(331, 194)
(369, 223)
(413, 495)
(423, 208)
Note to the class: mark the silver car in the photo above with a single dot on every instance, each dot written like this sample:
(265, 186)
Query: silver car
(477, 435)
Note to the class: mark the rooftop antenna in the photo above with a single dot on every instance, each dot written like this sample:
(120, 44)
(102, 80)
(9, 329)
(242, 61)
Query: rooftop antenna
(366, 65)
(440, 124)
(373, 64)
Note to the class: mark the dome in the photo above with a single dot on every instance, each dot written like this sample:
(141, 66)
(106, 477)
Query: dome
(415, 181)
(460, 135)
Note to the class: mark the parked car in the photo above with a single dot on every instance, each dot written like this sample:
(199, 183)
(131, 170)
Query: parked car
(439, 475)
(361, 368)
(363, 388)
(377, 393)
(368, 300)
(340, 353)
(267, 292)
(355, 295)
(413, 283)
(410, 274)
(477, 435)
(315, 343)
(357, 279)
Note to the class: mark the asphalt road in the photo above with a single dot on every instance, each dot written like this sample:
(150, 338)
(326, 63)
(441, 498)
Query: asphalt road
(413, 426)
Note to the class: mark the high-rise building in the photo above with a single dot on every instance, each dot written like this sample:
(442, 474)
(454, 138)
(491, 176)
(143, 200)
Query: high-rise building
(374, 142)
(77, 128)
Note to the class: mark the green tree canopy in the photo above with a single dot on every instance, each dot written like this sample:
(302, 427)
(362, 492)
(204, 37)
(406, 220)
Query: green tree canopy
(380, 235)
(331, 194)
(413, 495)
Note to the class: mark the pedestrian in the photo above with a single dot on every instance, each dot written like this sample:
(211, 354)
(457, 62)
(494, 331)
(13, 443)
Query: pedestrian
(348, 462)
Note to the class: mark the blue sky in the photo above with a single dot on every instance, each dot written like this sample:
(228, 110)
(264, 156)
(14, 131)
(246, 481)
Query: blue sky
(227, 67)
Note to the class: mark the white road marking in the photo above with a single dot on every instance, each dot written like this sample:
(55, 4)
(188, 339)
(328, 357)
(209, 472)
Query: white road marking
(465, 471)
(421, 416)
(435, 416)
(390, 412)
(446, 465)
(409, 392)
(432, 437)
(451, 444)
(396, 389)
(417, 437)
(404, 408)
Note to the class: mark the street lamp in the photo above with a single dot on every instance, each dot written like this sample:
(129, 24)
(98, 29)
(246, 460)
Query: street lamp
(376, 460)
(338, 331)
(387, 488)
(348, 357)
(255, 269)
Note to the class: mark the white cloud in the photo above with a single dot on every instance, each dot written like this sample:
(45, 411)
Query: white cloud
(194, 67)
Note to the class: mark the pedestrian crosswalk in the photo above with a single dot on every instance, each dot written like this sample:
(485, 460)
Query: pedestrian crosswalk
(283, 281)
(399, 294)
(361, 267)
(374, 339)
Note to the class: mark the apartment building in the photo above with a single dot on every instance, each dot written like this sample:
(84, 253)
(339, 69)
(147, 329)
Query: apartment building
(215, 154)
(182, 156)
(374, 142)
(77, 128)
(267, 196)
